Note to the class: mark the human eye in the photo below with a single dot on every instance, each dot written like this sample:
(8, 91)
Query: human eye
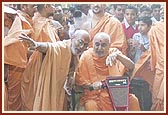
(80, 42)
(97, 44)
(103, 44)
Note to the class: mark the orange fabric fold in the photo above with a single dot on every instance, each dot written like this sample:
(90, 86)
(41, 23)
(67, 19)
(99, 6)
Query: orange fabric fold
(157, 44)
(142, 68)
(15, 55)
(15, 52)
(50, 94)
(43, 29)
(43, 32)
(112, 27)
(93, 69)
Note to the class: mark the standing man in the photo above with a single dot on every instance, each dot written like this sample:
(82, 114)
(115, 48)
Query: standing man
(15, 54)
(43, 32)
(155, 13)
(60, 58)
(119, 10)
(104, 22)
(157, 44)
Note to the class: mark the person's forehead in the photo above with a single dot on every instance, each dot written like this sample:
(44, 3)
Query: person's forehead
(156, 9)
(141, 22)
(32, 5)
(85, 39)
(101, 40)
(121, 6)
(58, 8)
(132, 11)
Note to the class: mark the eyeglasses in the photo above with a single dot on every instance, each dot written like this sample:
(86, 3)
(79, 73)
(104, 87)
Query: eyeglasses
(58, 11)
(82, 43)
(97, 44)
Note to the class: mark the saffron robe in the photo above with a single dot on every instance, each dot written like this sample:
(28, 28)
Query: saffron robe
(93, 69)
(113, 27)
(43, 32)
(15, 55)
(55, 66)
(157, 43)
(143, 68)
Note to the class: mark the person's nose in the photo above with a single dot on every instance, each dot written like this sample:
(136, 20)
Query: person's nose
(99, 47)
(56, 12)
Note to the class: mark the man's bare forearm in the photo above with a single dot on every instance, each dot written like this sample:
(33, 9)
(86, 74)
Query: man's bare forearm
(126, 61)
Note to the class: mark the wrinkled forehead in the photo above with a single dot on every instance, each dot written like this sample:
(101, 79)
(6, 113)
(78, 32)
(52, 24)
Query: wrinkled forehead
(101, 39)
(86, 39)
(81, 34)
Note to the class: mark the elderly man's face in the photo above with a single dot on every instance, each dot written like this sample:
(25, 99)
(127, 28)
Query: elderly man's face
(101, 47)
(79, 44)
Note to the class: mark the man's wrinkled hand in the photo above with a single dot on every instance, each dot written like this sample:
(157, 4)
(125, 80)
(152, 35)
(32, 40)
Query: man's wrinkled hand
(111, 59)
(32, 44)
(97, 85)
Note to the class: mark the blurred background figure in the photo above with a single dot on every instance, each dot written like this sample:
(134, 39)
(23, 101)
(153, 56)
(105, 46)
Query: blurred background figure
(155, 12)
(119, 10)
(145, 11)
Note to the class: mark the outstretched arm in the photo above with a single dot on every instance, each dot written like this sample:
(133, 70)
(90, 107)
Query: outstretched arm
(126, 61)
(40, 46)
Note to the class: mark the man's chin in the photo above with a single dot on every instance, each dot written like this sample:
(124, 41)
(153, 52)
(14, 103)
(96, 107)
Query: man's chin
(75, 52)
(100, 55)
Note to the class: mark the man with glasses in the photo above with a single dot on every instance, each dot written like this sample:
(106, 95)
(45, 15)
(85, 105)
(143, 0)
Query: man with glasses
(102, 21)
(95, 65)
(60, 61)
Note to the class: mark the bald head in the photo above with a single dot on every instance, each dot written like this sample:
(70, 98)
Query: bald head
(82, 34)
(101, 44)
(80, 40)
(102, 36)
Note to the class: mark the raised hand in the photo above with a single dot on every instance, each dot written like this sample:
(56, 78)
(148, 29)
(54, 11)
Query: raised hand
(32, 44)
(111, 59)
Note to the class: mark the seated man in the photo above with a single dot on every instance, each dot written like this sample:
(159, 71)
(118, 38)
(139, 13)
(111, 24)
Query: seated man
(95, 65)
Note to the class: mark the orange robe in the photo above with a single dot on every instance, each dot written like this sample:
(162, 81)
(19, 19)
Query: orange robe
(15, 55)
(157, 44)
(113, 27)
(143, 69)
(93, 69)
(5, 98)
(43, 32)
(50, 93)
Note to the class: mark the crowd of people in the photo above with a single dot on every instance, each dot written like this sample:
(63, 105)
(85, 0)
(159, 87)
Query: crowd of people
(54, 54)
